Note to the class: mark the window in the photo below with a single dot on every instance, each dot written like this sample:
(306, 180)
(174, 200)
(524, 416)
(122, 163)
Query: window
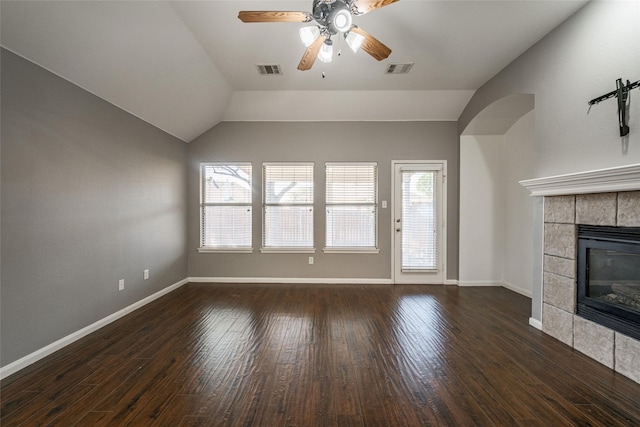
(287, 220)
(352, 206)
(225, 207)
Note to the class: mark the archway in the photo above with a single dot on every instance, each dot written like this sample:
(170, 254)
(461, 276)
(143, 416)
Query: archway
(496, 213)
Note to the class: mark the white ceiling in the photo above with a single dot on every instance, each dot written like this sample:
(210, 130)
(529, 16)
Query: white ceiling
(184, 66)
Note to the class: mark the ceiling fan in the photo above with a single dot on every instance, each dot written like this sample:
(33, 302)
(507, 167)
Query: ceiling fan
(332, 17)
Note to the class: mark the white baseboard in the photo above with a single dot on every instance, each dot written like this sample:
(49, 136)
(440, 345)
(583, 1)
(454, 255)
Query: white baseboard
(472, 283)
(31, 358)
(517, 289)
(315, 280)
(535, 323)
(510, 286)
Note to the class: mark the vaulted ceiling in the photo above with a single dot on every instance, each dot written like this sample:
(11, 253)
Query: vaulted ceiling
(184, 66)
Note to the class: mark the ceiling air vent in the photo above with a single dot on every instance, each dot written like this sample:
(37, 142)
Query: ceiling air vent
(399, 68)
(269, 70)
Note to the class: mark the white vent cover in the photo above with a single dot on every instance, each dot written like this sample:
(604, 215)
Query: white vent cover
(269, 69)
(399, 68)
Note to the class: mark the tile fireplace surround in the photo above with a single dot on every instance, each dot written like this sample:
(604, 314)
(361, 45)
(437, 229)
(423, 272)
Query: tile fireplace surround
(608, 197)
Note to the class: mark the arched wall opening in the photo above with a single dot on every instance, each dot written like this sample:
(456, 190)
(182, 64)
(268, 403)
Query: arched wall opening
(497, 215)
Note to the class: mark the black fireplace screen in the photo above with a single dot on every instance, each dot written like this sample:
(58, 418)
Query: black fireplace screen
(609, 277)
(614, 277)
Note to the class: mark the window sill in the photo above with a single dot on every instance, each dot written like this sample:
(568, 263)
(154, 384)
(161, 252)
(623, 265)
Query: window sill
(288, 250)
(351, 250)
(225, 250)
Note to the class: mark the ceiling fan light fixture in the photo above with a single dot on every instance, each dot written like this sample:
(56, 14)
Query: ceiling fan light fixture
(342, 20)
(326, 51)
(309, 34)
(354, 40)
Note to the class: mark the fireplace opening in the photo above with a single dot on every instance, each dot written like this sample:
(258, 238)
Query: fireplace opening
(609, 277)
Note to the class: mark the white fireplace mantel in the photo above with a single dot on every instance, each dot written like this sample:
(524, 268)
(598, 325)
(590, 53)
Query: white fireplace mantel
(621, 178)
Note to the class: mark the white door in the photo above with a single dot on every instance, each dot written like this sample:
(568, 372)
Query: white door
(419, 232)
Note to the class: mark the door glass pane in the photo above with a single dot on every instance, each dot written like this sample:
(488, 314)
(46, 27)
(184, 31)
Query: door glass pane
(419, 237)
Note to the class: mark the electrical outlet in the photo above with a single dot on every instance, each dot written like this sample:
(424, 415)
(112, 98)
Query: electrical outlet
(310, 260)
(145, 274)
(121, 285)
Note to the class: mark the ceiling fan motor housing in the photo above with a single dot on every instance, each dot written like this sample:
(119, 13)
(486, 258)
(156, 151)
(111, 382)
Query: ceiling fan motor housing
(334, 16)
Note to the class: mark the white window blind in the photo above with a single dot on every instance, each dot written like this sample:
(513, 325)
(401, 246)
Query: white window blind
(419, 233)
(225, 206)
(288, 205)
(352, 205)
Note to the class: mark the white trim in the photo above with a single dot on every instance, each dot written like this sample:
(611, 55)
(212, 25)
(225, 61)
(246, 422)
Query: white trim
(478, 283)
(517, 289)
(287, 250)
(288, 164)
(488, 283)
(451, 282)
(350, 163)
(37, 355)
(351, 251)
(620, 178)
(307, 280)
(224, 251)
(535, 323)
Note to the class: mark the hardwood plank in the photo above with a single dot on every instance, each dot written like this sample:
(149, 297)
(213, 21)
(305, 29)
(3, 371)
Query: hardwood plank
(52, 410)
(102, 384)
(14, 401)
(95, 419)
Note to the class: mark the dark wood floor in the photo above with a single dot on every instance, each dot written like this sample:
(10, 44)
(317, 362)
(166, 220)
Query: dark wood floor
(322, 355)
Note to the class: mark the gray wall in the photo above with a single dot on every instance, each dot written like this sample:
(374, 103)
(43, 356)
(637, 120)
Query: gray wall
(90, 195)
(319, 142)
(578, 61)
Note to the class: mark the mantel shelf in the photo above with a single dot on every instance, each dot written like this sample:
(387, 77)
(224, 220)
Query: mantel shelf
(621, 178)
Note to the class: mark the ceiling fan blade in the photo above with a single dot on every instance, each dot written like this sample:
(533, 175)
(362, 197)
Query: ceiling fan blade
(311, 53)
(371, 45)
(274, 16)
(365, 6)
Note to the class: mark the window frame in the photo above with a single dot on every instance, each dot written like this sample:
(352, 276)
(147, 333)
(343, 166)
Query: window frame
(287, 249)
(353, 249)
(223, 249)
